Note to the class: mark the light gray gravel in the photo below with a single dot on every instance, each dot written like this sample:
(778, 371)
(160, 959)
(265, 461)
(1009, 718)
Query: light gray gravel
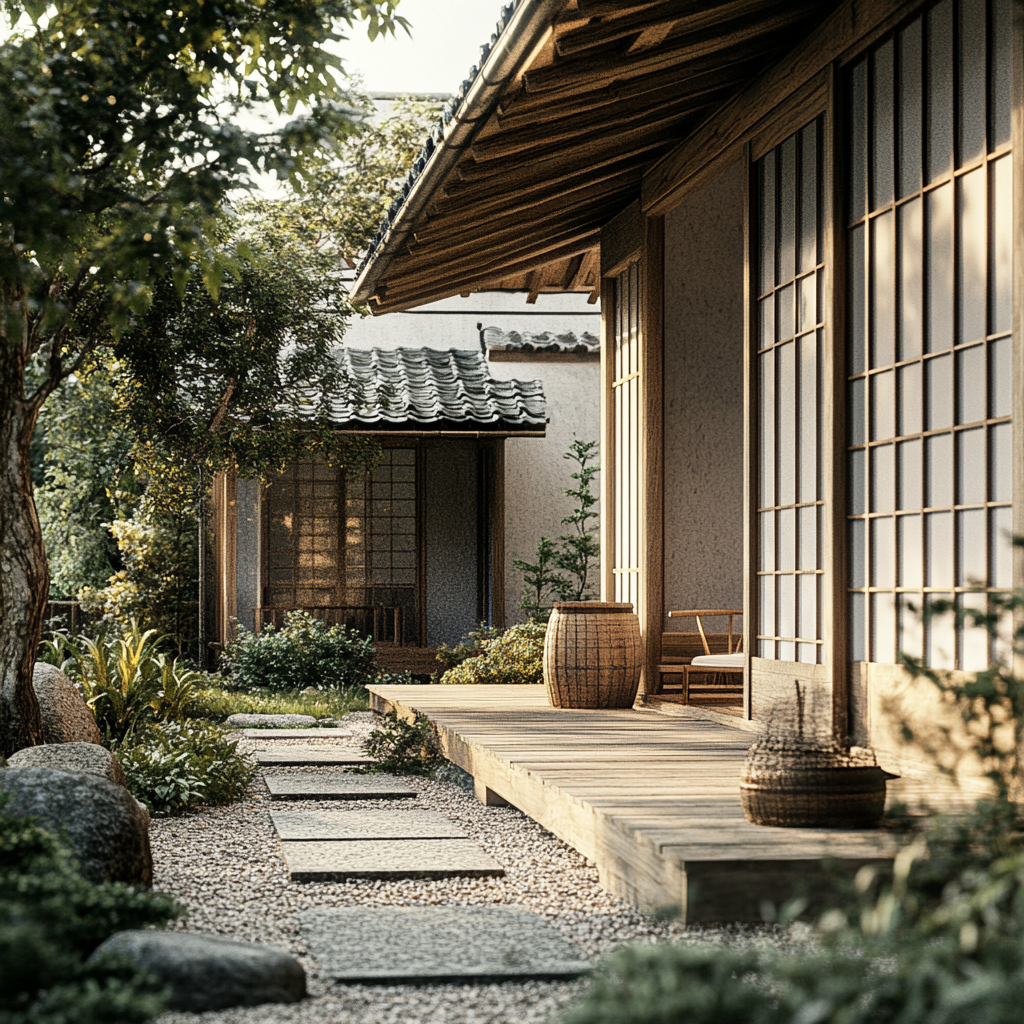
(226, 865)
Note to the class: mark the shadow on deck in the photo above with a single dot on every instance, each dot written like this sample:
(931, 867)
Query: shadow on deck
(652, 799)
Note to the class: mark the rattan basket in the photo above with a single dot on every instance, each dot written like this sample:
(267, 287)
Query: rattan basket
(592, 655)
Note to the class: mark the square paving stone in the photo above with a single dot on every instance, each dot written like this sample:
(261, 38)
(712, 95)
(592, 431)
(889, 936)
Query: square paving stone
(337, 786)
(387, 859)
(306, 826)
(297, 734)
(409, 945)
(321, 757)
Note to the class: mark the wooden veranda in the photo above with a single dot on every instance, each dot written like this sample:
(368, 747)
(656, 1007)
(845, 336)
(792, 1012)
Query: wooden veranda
(652, 799)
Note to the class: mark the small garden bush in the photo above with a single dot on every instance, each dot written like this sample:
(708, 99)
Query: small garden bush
(402, 748)
(176, 766)
(304, 652)
(514, 656)
(51, 919)
(471, 646)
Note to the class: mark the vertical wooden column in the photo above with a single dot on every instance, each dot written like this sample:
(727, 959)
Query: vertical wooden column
(835, 621)
(652, 435)
(751, 431)
(1017, 143)
(607, 507)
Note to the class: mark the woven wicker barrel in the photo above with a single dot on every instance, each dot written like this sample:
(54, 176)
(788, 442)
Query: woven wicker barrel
(592, 655)
(814, 797)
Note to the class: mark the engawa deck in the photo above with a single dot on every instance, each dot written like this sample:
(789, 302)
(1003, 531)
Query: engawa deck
(652, 799)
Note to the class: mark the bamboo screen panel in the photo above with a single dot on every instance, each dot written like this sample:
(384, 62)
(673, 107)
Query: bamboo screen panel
(790, 332)
(929, 357)
(626, 434)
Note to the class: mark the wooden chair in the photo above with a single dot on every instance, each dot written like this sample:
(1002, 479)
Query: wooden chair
(722, 655)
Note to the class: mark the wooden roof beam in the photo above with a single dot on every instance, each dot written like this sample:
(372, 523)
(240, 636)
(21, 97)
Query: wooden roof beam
(531, 110)
(442, 284)
(758, 35)
(604, 8)
(684, 15)
(687, 96)
(439, 233)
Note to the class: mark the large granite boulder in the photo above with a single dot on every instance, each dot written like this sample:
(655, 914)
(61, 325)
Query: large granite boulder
(66, 716)
(88, 758)
(210, 972)
(108, 829)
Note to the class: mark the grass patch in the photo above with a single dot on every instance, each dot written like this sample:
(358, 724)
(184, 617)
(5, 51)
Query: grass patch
(219, 702)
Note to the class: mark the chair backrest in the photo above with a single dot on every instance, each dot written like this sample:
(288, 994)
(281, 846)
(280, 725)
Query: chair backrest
(699, 613)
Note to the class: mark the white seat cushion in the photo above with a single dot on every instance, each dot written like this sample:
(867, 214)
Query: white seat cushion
(718, 661)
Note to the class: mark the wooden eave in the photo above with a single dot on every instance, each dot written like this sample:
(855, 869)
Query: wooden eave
(608, 91)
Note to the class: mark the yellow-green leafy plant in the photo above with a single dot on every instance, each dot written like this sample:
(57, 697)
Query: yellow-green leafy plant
(514, 656)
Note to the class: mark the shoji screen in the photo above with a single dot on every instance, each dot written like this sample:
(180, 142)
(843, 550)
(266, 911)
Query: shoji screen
(626, 416)
(789, 375)
(929, 435)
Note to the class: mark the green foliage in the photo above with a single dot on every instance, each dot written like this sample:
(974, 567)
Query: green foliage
(127, 680)
(565, 570)
(177, 766)
(402, 748)
(51, 919)
(580, 548)
(514, 656)
(304, 652)
(219, 702)
(541, 584)
(470, 647)
(937, 941)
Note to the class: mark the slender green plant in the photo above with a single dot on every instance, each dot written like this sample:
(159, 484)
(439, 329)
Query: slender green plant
(541, 583)
(579, 549)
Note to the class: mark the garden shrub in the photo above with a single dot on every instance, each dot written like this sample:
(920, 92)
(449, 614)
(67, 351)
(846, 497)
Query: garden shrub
(471, 646)
(304, 652)
(127, 680)
(514, 656)
(402, 748)
(176, 766)
(51, 919)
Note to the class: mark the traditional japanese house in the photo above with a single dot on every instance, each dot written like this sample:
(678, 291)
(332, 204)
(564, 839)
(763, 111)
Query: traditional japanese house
(411, 553)
(805, 219)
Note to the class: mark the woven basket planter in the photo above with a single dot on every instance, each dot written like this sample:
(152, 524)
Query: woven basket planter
(814, 797)
(592, 655)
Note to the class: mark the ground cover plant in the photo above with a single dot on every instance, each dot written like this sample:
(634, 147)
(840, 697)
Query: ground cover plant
(304, 652)
(51, 919)
(220, 700)
(515, 655)
(940, 940)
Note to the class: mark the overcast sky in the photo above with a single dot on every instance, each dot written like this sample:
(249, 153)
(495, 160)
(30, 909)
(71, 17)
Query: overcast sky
(445, 44)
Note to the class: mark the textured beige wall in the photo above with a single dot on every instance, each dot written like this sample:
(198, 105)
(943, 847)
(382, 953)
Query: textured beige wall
(536, 473)
(704, 261)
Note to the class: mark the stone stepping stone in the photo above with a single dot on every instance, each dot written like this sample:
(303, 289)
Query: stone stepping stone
(387, 859)
(297, 757)
(304, 826)
(297, 734)
(337, 786)
(409, 945)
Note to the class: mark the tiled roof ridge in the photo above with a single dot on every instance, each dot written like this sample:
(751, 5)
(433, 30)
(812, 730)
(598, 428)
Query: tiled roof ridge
(540, 341)
(427, 385)
(436, 134)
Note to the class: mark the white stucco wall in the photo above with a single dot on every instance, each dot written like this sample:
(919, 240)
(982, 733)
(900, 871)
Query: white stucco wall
(535, 472)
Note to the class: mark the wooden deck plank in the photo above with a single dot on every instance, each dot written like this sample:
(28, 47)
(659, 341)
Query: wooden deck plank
(653, 799)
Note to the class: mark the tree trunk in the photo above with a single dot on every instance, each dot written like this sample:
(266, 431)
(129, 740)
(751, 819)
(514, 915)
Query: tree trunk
(24, 574)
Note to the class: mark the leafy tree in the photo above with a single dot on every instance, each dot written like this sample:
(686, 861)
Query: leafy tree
(121, 142)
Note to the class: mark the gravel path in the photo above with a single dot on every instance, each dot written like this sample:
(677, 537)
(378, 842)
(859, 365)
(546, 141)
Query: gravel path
(225, 865)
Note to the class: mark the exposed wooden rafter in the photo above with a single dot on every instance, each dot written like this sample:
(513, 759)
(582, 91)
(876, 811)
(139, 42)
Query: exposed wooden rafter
(612, 87)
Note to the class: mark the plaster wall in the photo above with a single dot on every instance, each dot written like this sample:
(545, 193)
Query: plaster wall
(704, 269)
(535, 470)
(247, 553)
(452, 323)
(450, 526)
